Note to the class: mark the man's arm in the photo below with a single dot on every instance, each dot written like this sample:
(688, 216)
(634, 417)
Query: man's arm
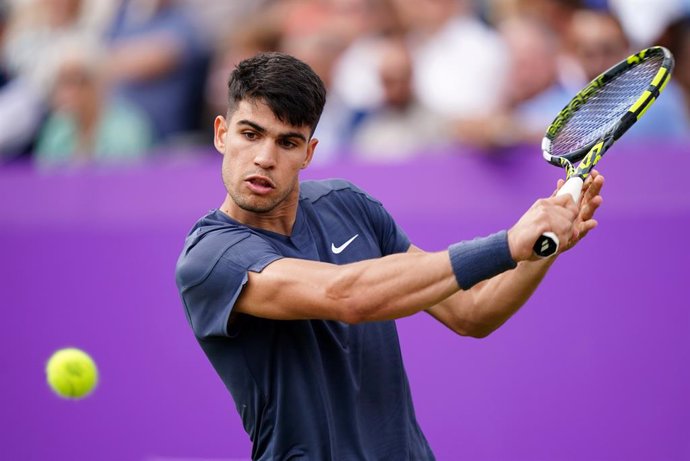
(393, 286)
(375, 289)
(486, 306)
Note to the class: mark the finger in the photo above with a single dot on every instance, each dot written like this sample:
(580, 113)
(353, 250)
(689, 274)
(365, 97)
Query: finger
(565, 200)
(590, 207)
(593, 192)
(586, 226)
(585, 188)
(592, 187)
(584, 229)
(596, 185)
(563, 221)
(597, 181)
(580, 231)
(593, 182)
(572, 207)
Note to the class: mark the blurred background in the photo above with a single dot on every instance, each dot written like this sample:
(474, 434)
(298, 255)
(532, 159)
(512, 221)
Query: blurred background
(120, 81)
(437, 107)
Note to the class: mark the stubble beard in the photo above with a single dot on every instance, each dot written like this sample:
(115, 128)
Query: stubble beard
(258, 205)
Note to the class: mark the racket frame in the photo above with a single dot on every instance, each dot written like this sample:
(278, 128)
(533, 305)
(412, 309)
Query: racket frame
(589, 155)
(596, 148)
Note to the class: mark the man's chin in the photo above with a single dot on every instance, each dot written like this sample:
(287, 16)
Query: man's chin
(258, 206)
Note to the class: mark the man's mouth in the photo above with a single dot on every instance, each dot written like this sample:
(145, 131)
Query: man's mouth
(260, 184)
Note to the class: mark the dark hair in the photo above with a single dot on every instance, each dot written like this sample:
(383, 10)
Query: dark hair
(292, 90)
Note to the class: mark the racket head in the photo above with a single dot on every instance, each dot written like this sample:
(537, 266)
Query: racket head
(607, 107)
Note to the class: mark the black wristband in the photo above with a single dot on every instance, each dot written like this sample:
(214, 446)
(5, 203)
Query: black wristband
(480, 259)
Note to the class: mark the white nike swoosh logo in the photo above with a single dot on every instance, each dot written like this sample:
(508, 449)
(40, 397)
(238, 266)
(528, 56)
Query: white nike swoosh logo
(337, 250)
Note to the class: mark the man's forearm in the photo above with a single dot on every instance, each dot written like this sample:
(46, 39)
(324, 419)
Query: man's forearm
(394, 286)
(488, 305)
(503, 295)
(376, 289)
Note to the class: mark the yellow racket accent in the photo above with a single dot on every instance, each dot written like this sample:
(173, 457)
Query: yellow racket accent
(641, 100)
(657, 79)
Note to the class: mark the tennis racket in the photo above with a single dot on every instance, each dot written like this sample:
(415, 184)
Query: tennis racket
(597, 117)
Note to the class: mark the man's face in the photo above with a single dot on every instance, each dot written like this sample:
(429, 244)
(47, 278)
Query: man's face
(75, 88)
(262, 157)
(598, 43)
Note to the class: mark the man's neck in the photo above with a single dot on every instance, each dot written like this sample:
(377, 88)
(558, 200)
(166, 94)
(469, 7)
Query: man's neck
(280, 220)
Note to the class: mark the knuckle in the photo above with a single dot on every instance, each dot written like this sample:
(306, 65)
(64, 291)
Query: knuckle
(542, 202)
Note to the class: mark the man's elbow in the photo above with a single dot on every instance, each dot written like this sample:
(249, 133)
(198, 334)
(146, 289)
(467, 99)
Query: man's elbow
(356, 308)
(481, 333)
(473, 330)
(353, 316)
(347, 302)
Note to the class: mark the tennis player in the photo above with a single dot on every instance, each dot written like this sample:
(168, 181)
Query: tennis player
(291, 287)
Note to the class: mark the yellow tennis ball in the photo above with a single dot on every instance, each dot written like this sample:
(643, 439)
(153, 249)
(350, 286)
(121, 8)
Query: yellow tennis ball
(71, 373)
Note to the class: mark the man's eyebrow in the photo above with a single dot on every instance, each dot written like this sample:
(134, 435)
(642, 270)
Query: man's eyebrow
(262, 130)
(258, 128)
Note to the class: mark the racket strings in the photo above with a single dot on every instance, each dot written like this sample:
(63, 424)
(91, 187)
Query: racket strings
(604, 109)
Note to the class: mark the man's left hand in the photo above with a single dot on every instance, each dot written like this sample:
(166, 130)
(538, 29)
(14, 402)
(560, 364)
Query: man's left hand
(590, 201)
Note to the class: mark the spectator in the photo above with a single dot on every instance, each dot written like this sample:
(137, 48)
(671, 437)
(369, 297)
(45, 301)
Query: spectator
(257, 32)
(37, 24)
(401, 127)
(215, 18)
(356, 73)
(677, 39)
(459, 61)
(597, 42)
(644, 20)
(34, 27)
(315, 33)
(534, 94)
(531, 95)
(554, 14)
(158, 61)
(84, 124)
(20, 104)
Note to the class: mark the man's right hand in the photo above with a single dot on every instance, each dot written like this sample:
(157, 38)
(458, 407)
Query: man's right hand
(556, 214)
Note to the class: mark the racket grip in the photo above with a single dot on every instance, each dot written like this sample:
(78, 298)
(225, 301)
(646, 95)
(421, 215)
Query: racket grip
(547, 244)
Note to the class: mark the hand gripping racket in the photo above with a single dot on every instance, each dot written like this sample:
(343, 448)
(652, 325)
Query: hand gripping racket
(597, 116)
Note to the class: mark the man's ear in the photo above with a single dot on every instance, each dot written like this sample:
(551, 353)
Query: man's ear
(220, 130)
(311, 147)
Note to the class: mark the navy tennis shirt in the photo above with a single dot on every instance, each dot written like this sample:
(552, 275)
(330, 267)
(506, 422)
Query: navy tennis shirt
(305, 389)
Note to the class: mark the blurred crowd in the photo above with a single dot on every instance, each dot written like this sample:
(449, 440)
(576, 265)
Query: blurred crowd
(113, 81)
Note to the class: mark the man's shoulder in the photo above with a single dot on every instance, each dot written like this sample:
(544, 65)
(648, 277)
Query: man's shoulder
(209, 228)
(210, 238)
(317, 190)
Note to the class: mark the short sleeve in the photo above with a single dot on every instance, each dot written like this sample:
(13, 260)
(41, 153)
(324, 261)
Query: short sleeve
(392, 238)
(212, 272)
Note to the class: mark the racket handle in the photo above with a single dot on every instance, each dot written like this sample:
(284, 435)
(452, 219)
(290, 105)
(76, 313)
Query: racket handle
(547, 244)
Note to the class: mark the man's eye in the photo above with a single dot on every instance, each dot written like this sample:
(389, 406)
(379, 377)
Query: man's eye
(287, 144)
(249, 135)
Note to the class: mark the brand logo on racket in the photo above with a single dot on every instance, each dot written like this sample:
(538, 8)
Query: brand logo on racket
(545, 245)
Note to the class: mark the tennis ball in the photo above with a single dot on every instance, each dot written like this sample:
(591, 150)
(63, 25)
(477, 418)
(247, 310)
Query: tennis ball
(71, 373)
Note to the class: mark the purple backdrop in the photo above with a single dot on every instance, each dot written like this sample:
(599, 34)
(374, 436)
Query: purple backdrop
(595, 367)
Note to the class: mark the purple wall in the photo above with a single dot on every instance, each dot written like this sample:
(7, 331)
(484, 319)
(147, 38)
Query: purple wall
(595, 367)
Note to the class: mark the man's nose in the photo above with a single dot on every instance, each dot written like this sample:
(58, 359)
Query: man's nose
(265, 155)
